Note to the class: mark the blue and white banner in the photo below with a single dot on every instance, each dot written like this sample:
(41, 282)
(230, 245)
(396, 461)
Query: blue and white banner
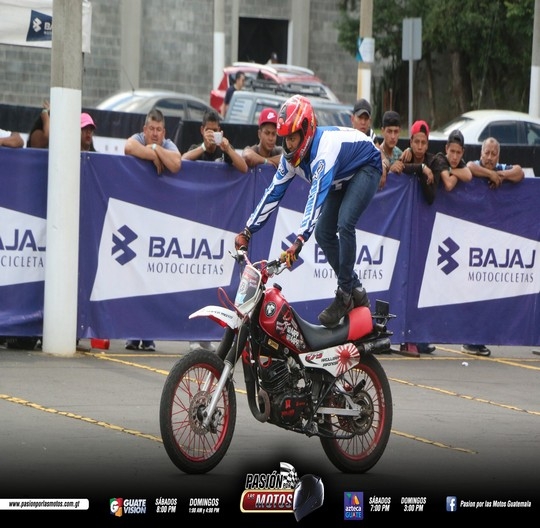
(154, 249)
(30, 23)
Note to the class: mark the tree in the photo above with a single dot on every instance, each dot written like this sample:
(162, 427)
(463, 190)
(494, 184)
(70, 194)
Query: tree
(475, 53)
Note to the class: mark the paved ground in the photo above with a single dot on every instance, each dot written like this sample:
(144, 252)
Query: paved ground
(87, 426)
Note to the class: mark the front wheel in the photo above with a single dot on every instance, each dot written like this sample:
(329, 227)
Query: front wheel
(363, 437)
(193, 447)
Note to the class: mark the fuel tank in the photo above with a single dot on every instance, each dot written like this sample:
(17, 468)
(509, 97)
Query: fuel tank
(277, 320)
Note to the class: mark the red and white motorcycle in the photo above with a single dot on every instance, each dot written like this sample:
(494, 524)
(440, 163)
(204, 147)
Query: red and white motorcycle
(299, 376)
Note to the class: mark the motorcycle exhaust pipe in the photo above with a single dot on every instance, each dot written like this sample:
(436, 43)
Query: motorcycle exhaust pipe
(378, 346)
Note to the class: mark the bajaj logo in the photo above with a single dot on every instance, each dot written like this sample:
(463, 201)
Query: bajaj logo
(122, 245)
(39, 27)
(445, 256)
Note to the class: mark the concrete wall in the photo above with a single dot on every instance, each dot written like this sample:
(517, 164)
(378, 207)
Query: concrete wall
(175, 51)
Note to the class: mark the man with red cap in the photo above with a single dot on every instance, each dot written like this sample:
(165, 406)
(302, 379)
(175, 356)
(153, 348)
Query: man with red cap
(417, 160)
(266, 150)
(427, 167)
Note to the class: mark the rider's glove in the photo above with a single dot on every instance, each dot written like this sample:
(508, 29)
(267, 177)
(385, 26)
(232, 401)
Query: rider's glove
(292, 253)
(241, 242)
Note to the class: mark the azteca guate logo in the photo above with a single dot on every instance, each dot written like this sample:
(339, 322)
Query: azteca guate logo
(121, 245)
(445, 256)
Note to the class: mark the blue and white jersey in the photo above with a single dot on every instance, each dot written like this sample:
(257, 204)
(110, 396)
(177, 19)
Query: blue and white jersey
(336, 154)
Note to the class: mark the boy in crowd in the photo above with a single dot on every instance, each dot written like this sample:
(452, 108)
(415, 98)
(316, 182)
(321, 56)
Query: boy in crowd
(457, 169)
(266, 150)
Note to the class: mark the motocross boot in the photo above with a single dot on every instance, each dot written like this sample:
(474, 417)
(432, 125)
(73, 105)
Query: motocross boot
(342, 304)
(360, 297)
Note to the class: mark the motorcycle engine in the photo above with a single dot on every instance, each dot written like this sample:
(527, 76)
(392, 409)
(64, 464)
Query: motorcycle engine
(290, 397)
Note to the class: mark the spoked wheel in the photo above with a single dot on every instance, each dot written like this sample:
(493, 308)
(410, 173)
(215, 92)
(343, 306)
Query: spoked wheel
(368, 386)
(190, 385)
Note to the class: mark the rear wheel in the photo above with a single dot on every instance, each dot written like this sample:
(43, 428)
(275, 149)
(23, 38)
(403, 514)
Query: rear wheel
(368, 386)
(187, 392)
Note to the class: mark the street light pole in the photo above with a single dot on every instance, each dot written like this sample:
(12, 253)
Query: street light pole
(364, 68)
(63, 190)
(534, 96)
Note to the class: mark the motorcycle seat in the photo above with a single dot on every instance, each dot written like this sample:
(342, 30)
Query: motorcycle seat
(354, 325)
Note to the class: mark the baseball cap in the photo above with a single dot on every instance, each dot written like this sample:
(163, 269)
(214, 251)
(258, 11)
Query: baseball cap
(456, 137)
(86, 120)
(391, 118)
(362, 107)
(420, 126)
(268, 115)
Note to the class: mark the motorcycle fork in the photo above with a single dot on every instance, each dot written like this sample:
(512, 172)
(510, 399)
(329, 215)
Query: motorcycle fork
(229, 362)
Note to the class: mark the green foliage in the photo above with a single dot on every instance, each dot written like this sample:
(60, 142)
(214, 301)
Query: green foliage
(492, 37)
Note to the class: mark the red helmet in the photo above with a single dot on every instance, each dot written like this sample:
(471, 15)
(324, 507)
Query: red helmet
(297, 115)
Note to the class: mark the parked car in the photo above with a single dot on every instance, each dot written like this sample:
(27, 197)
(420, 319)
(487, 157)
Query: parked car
(274, 78)
(508, 127)
(179, 110)
(246, 106)
(172, 104)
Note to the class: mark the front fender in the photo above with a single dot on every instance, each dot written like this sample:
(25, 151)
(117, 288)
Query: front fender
(220, 315)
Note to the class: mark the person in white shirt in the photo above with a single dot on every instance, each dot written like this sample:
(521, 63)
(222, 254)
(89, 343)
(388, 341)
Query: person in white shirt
(10, 139)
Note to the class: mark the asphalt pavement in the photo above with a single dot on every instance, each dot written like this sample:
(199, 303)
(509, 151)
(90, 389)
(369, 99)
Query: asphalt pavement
(86, 427)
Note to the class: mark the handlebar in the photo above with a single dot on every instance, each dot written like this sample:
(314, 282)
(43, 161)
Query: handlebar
(269, 268)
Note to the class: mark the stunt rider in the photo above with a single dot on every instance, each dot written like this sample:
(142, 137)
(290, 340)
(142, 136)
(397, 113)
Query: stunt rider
(344, 169)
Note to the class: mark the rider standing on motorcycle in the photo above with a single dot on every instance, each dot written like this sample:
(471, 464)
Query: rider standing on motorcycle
(344, 169)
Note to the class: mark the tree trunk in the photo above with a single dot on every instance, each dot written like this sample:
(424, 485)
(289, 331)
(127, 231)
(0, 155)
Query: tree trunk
(461, 83)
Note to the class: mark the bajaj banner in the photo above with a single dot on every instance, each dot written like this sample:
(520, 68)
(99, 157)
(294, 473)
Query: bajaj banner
(30, 23)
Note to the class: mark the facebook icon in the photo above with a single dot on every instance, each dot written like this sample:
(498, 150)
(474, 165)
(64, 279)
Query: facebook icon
(451, 504)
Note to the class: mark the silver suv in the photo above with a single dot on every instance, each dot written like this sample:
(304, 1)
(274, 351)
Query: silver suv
(246, 106)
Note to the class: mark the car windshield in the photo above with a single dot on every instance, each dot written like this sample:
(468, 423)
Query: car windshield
(456, 124)
(126, 102)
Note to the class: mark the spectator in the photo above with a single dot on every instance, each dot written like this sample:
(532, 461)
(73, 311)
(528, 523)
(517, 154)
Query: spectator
(39, 133)
(265, 151)
(10, 139)
(88, 128)
(215, 146)
(151, 144)
(456, 169)
(391, 129)
(39, 138)
(417, 160)
(239, 82)
(489, 167)
(343, 168)
(361, 118)
(273, 58)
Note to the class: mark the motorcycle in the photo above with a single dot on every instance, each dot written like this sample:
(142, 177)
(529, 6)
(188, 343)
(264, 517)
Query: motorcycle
(302, 377)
